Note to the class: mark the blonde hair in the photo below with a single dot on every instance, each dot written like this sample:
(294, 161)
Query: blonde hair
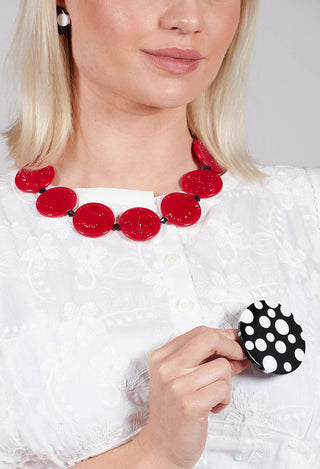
(41, 63)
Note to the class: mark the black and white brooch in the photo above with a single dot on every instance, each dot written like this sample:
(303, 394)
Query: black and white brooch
(271, 338)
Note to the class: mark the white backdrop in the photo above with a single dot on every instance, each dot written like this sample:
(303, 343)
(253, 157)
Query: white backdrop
(283, 105)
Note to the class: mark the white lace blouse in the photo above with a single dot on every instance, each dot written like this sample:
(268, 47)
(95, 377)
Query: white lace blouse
(79, 318)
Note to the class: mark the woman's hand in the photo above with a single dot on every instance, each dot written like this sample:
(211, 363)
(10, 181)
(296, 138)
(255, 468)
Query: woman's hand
(189, 378)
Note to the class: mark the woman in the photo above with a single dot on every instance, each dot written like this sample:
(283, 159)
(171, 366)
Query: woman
(122, 350)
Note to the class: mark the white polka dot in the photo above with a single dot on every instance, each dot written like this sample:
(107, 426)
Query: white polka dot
(292, 339)
(258, 304)
(265, 322)
(270, 337)
(282, 326)
(249, 345)
(287, 366)
(273, 305)
(280, 346)
(299, 354)
(271, 313)
(246, 316)
(269, 363)
(285, 311)
(261, 345)
(302, 335)
(249, 330)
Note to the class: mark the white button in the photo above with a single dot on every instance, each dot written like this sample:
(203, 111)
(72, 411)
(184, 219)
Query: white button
(171, 259)
(184, 305)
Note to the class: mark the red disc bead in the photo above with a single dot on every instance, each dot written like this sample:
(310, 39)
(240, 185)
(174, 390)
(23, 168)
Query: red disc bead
(202, 183)
(205, 157)
(93, 220)
(140, 224)
(56, 202)
(180, 209)
(33, 180)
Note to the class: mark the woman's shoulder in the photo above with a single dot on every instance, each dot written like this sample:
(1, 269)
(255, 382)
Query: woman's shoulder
(7, 185)
(289, 172)
(294, 188)
(302, 181)
(299, 179)
(7, 179)
(13, 203)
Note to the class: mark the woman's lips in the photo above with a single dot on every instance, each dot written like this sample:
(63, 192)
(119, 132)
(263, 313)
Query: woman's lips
(173, 60)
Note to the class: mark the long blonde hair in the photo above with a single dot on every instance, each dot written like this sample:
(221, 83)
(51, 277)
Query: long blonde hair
(40, 64)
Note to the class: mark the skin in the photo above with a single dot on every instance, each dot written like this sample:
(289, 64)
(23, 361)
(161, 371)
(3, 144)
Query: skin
(190, 377)
(131, 132)
(130, 116)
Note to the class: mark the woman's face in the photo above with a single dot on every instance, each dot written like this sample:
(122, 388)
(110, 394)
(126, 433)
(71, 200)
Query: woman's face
(117, 46)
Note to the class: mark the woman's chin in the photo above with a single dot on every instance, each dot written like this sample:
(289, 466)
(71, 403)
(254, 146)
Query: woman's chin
(169, 100)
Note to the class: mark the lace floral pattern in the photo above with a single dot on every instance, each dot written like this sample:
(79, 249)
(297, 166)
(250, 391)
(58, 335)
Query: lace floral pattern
(79, 318)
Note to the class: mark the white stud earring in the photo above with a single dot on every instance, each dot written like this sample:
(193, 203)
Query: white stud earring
(63, 20)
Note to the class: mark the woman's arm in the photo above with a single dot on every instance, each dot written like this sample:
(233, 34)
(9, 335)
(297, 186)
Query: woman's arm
(190, 377)
(128, 456)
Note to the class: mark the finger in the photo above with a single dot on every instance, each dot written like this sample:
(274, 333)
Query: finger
(219, 408)
(207, 344)
(178, 342)
(230, 333)
(238, 366)
(216, 394)
(201, 376)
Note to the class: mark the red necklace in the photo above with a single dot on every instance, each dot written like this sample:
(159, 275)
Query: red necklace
(140, 224)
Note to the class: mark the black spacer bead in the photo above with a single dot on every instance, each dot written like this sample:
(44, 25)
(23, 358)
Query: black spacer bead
(163, 220)
(197, 198)
(41, 191)
(116, 227)
(71, 213)
(207, 168)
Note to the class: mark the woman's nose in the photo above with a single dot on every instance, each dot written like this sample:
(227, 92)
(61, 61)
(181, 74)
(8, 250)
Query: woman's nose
(185, 16)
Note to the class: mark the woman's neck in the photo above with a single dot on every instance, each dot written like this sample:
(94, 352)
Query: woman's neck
(126, 146)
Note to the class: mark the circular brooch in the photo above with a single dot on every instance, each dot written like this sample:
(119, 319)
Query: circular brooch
(271, 338)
